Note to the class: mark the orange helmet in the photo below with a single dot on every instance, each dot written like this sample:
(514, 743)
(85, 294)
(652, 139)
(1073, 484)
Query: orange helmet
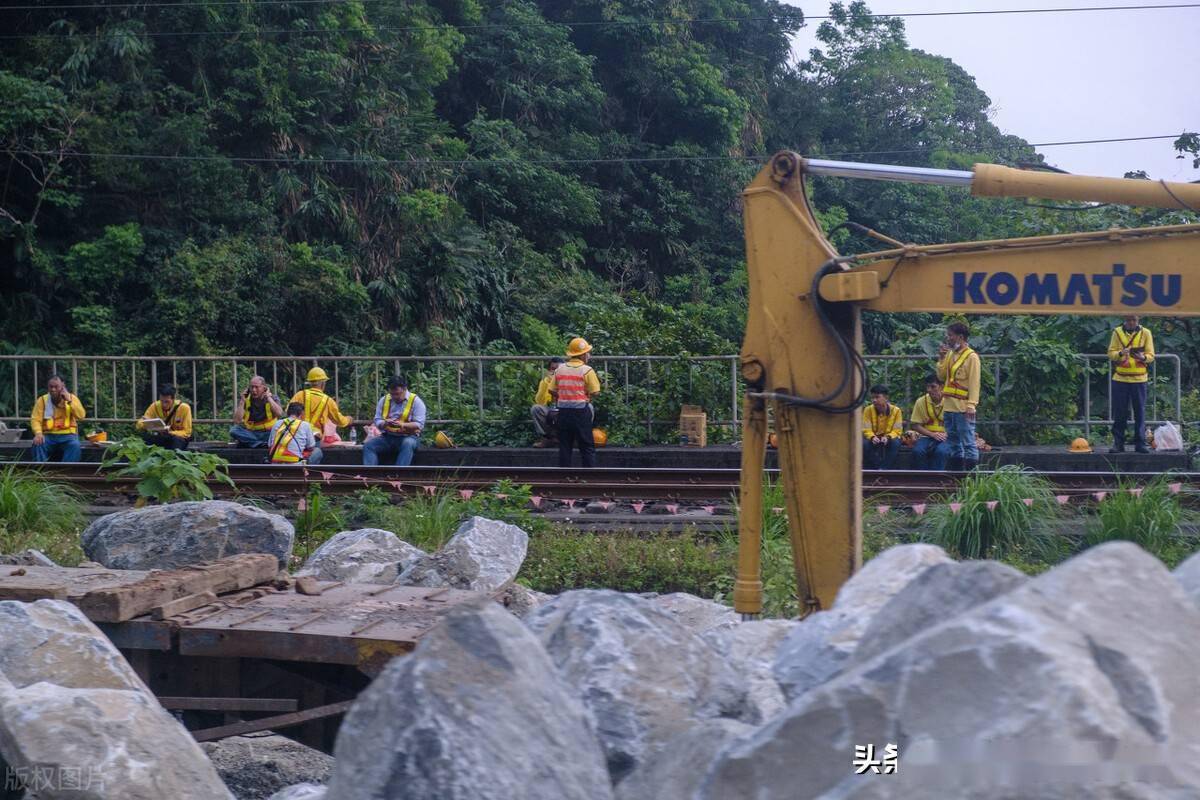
(599, 437)
(1080, 445)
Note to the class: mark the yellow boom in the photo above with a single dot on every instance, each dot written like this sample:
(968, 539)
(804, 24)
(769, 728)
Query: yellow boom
(803, 331)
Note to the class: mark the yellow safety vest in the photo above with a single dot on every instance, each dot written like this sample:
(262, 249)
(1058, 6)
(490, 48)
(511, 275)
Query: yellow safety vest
(313, 410)
(933, 416)
(268, 421)
(953, 388)
(56, 425)
(279, 449)
(387, 408)
(1131, 368)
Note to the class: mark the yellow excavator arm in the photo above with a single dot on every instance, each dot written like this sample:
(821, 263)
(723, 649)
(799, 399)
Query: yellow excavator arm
(802, 347)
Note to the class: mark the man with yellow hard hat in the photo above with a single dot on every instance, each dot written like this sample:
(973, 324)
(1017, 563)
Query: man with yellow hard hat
(321, 411)
(573, 386)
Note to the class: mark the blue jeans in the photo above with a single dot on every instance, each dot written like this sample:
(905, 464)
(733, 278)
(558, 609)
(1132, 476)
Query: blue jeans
(880, 456)
(931, 454)
(248, 438)
(1125, 395)
(960, 433)
(384, 447)
(57, 447)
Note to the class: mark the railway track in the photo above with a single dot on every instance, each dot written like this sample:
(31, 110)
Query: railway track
(600, 484)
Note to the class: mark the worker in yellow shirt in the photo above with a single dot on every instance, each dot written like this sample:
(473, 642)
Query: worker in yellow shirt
(932, 450)
(321, 411)
(958, 369)
(573, 386)
(176, 416)
(544, 414)
(882, 425)
(1131, 351)
(54, 424)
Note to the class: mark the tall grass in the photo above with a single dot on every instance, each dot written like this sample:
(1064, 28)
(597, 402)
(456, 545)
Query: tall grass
(1149, 518)
(1010, 529)
(38, 513)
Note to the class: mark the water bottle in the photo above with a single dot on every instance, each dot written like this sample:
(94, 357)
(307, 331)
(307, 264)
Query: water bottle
(354, 436)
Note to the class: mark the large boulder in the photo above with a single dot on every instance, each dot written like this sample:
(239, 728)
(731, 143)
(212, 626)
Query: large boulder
(819, 647)
(1080, 683)
(643, 676)
(695, 613)
(1188, 575)
(256, 767)
(477, 711)
(675, 771)
(301, 791)
(367, 555)
(178, 534)
(751, 649)
(483, 555)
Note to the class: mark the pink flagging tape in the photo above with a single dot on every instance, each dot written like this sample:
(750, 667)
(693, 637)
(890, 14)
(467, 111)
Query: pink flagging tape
(1062, 499)
(536, 500)
(638, 506)
(1027, 501)
(302, 505)
(672, 508)
(429, 490)
(466, 494)
(1136, 492)
(955, 508)
(327, 476)
(569, 503)
(883, 510)
(1175, 488)
(397, 485)
(710, 509)
(991, 504)
(1099, 496)
(918, 508)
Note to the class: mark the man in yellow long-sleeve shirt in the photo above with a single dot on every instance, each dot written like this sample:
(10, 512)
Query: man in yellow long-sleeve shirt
(882, 425)
(543, 411)
(175, 415)
(1131, 351)
(54, 423)
(321, 412)
(958, 366)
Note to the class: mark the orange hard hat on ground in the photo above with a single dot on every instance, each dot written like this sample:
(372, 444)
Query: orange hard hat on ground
(599, 437)
(443, 440)
(578, 346)
(96, 437)
(1080, 445)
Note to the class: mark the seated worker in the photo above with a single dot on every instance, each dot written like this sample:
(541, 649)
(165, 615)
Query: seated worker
(254, 414)
(545, 415)
(321, 411)
(573, 387)
(400, 418)
(292, 439)
(177, 416)
(53, 422)
(882, 425)
(932, 450)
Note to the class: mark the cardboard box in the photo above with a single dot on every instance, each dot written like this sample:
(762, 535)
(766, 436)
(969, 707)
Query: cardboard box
(693, 424)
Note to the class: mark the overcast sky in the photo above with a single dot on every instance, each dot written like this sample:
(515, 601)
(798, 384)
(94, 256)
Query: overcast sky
(1068, 76)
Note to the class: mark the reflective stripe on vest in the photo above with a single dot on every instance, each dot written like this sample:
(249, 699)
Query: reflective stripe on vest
(953, 387)
(887, 420)
(280, 452)
(572, 386)
(1132, 368)
(268, 421)
(404, 414)
(314, 418)
(171, 425)
(933, 416)
(67, 424)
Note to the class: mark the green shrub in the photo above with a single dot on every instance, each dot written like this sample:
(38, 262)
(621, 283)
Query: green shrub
(1009, 529)
(38, 513)
(164, 475)
(315, 523)
(1150, 518)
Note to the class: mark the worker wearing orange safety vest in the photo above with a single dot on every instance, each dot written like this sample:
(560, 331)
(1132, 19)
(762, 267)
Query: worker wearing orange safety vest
(54, 422)
(321, 411)
(573, 386)
(882, 425)
(254, 414)
(932, 450)
(292, 438)
(958, 368)
(1131, 351)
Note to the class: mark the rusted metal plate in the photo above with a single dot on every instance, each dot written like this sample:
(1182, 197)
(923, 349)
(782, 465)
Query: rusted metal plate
(362, 625)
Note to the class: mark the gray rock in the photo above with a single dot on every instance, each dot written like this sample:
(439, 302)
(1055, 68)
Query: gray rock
(751, 649)
(483, 555)
(819, 647)
(643, 677)
(178, 534)
(102, 744)
(934, 596)
(301, 791)
(477, 711)
(255, 767)
(1080, 683)
(27, 558)
(675, 772)
(367, 555)
(695, 613)
(1188, 575)
(52, 641)
(521, 600)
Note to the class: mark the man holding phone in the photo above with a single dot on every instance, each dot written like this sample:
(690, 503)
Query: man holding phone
(54, 423)
(1131, 351)
(400, 418)
(254, 414)
(958, 367)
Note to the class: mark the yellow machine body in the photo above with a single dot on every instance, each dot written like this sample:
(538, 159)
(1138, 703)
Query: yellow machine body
(789, 350)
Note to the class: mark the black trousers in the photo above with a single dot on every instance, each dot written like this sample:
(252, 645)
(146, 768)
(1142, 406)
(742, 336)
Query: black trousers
(1123, 396)
(165, 440)
(575, 428)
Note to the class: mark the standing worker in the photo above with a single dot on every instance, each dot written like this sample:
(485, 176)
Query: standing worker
(321, 411)
(292, 439)
(573, 386)
(54, 424)
(958, 368)
(543, 412)
(254, 414)
(882, 425)
(932, 450)
(1131, 351)
(176, 416)
(400, 418)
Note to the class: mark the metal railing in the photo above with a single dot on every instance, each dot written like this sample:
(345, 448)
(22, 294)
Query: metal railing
(491, 389)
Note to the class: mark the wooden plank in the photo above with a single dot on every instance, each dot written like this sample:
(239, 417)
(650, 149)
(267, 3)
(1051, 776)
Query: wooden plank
(121, 603)
(183, 604)
(272, 723)
(28, 588)
(277, 704)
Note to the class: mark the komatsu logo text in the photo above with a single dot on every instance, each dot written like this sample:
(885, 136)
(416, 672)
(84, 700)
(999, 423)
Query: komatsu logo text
(1134, 289)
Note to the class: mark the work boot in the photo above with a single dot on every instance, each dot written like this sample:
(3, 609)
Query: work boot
(969, 464)
(1117, 448)
(954, 464)
(1140, 447)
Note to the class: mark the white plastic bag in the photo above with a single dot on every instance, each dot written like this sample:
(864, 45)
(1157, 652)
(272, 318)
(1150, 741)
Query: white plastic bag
(1167, 437)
